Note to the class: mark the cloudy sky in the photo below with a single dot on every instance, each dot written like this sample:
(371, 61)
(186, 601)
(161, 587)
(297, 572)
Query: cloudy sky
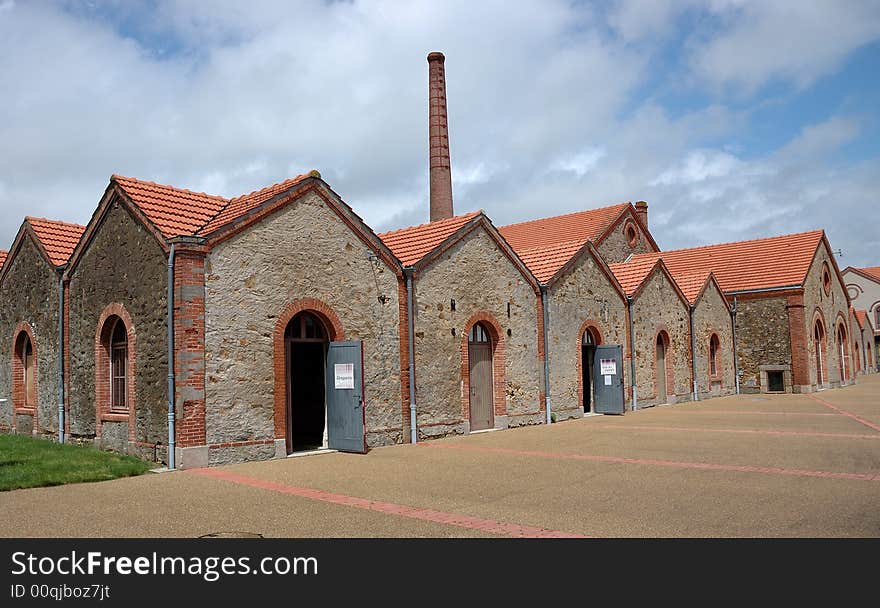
(733, 119)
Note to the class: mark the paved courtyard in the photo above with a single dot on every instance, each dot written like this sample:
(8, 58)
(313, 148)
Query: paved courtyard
(749, 465)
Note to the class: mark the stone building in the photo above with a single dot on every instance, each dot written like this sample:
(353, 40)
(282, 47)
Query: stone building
(863, 341)
(790, 305)
(660, 332)
(476, 326)
(586, 306)
(863, 287)
(30, 300)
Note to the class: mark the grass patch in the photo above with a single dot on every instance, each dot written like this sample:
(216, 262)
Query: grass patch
(26, 462)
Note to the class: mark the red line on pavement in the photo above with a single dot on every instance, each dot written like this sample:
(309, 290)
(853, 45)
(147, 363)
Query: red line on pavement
(746, 431)
(745, 413)
(389, 508)
(845, 413)
(660, 463)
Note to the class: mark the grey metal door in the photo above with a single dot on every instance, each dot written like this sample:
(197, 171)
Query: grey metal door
(345, 397)
(608, 379)
(481, 401)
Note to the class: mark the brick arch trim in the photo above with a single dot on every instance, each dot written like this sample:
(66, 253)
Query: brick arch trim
(719, 360)
(102, 371)
(819, 316)
(841, 330)
(335, 333)
(669, 359)
(17, 367)
(499, 345)
(594, 328)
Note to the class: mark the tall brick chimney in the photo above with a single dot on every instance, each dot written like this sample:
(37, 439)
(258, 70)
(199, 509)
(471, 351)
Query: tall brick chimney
(438, 138)
(642, 212)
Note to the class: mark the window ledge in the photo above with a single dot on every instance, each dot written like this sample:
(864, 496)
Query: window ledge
(114, 417)
(29, 410)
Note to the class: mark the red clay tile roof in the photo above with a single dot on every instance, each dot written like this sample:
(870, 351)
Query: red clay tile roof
(861, 317)
(873, 271)
(691, 283)
(173, 211)
(3, 255)
(241, 205)
(409, 245)
(632, 274)
(777, 261)
(59, 239)
(545, 245)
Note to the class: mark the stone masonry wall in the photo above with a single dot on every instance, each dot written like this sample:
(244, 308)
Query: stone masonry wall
(480, 278)
(123, 264)
(583, 295)
(834, 308)
(29, 294)
(762, 337)
(711, 316)
(656, 308)
(301, 251)
(615, 248)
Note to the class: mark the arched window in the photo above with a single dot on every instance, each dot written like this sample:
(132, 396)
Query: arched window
(826, 279)
(25, 352)
(119, 367)
(714, 348)
(478, 334)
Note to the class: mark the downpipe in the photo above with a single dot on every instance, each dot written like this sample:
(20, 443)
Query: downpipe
(61, 359)
(170, 324)
(696, 396)
(632, 353)
(546, 314)
(735, 358)
(411, 345)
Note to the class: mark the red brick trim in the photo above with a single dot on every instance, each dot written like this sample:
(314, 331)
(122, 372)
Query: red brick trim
(336, 333)
(102, 370)
(820, 318)
(499, 384)
(800, 338)
(843, 366)
(407, 371)
(189, 340)
(593, 326)
(19, 396)
(719, 361)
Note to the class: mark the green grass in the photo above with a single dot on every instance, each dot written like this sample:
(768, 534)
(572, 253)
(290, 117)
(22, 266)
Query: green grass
(26, 462)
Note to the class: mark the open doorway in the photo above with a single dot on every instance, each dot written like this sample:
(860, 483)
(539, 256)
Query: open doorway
(589, 341)
(306, 341)
(819, 346)
(660, 380)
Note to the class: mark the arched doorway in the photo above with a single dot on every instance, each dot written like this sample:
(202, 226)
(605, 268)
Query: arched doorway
(819, 347)
(481, 378)
(842, 358)
(589, 341)
(858, 360)
(305, 341)
(660, 379)
(26, 372)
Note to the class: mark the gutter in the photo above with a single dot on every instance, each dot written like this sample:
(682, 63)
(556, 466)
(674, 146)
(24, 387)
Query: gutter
(546, 352)
(696, 396)
(61, 358)
(632, 353)
(411, 345)
(735, 358)
(170, 324)
(764, 289)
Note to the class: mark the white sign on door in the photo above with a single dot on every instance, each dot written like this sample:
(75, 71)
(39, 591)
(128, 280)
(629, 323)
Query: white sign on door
(608, 367)
(607, 380)
(343, 375)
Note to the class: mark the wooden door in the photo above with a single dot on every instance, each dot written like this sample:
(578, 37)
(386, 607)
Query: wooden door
(661, 370)
(481, 379)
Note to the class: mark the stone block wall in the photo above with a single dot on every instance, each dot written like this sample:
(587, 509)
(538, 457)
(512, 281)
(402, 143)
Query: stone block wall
(585, 296)
(712, 317)
(762, 335)
(29, 295)
(485, 285)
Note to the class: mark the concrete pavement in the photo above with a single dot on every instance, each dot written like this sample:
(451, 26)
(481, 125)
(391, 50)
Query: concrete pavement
(749, 465)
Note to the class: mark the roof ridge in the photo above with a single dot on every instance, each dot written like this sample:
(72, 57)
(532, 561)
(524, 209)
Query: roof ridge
(551, 217)
(764, 238)
(116, 176)
(427, 224)
(301, 176)
(51, 221)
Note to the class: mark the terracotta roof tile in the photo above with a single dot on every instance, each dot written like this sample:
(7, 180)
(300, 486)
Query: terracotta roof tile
(409, 245)
(632, 274)
(861, 317)
(59, 239)
(691, 283)
(777, 261)
(546, 244)
(3, 255)
(241, 205)
(873, 271)
(173, 211)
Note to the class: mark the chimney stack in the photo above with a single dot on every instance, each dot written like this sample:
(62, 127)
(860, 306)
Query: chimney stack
(642, 212)
(438, 138)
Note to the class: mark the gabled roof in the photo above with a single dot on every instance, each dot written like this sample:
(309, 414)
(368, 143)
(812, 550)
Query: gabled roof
(774, 262)
(179, 212)
(59, 239)
(173, 211)
(546, 244)
(632, 274)
(861, 317)
(870, 272)
(3, 255)
(410, 245)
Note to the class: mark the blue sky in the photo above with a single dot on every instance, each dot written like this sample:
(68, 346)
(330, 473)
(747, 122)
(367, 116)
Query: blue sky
(734, 119)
